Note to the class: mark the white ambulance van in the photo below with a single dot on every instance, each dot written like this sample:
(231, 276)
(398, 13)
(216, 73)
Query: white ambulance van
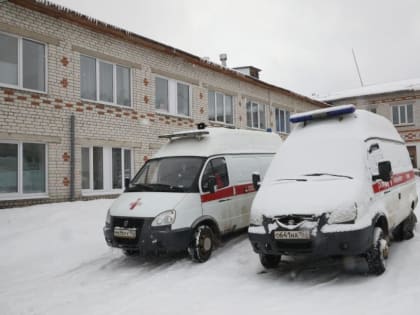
(196, 188)
(341, 184)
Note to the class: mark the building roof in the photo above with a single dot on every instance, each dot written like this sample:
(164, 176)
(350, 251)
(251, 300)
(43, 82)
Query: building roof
(375, 89)
(57, 11)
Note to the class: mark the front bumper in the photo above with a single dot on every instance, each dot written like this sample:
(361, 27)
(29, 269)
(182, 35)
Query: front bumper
(347, 243)
(149, 240)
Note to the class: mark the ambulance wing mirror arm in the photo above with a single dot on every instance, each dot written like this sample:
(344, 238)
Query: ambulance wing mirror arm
(256, 179)
(211, 181)
(385, 171)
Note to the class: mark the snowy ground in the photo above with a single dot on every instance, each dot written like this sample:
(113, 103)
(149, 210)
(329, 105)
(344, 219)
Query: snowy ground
(53, 260)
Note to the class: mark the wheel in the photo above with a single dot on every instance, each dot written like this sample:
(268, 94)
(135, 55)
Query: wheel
(378, 253)
(202, 243)
(130, 252)
(405, 230)
(270, 261)
(408, 226)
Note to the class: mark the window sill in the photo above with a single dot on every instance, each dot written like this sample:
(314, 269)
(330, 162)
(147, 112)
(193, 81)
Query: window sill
(163, 113)
(89, 193)
(21, 89)
(7, 197)
(221, 123)
(405, 125)
(106, 104)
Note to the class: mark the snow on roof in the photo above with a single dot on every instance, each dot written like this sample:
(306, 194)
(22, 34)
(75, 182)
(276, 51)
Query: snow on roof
(222, 141)
(389, 87)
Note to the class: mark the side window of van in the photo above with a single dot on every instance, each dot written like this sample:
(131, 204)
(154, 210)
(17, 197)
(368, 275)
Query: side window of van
(217, 168)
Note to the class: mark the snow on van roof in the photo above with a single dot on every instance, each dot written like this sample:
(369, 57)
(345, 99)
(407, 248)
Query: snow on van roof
(360, 125)
(221, 141)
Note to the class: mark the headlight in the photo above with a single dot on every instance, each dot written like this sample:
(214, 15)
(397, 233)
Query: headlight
(108, 217)
(256, 219)
(164, 218)
(343, 215)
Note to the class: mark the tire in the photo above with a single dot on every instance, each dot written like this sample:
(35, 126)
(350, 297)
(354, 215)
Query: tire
(378, 253)
(408, 226)
(405, 230)
(270, 261)
(202, 244)
(130, 252)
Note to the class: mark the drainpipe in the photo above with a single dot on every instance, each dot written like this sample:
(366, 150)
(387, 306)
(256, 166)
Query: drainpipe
(72, 156)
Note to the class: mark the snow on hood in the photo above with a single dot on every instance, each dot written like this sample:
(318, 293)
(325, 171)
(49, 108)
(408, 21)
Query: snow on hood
(145, 204)
(314, 196)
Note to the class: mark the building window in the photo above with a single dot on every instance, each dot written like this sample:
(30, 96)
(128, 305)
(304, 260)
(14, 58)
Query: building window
(402, 114)
(22, 63)
(104, 82)
(104, 169)
(172, 96)
(23, 169)
(282, 120)
(220, 107)
(255, 115)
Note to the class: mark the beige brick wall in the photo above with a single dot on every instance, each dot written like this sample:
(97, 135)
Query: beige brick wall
(383, 104)
(26, 116)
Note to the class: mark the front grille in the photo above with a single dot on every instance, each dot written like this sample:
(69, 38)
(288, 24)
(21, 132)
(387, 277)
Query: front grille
(294, 219)
(127, 222)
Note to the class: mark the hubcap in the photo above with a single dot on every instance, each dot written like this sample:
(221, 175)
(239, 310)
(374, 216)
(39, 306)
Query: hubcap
(207, 244)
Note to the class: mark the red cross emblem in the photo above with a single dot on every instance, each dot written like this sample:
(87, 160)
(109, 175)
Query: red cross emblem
(135, 203)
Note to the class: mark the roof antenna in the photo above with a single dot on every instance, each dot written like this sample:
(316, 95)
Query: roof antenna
(357, 67)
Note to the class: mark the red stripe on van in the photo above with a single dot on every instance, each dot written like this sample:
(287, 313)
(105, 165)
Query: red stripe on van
(220, 194)
(244, 189)
(396, 179)
(228, 192)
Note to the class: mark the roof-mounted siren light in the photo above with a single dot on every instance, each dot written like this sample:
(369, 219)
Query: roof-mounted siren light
(323, 113)
(201, 126)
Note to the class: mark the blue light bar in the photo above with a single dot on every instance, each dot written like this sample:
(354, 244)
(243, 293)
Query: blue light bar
(323, 113)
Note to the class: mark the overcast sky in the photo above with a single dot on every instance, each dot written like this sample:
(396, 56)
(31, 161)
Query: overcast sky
(302, 45)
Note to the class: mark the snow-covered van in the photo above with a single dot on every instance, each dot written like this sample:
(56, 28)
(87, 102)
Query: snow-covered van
(342, 184)
(196, 188)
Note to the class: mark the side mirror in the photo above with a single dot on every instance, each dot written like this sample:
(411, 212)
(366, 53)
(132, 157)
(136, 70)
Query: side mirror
(256, 179)
(211, 183)
(126, 182)
(385, 171)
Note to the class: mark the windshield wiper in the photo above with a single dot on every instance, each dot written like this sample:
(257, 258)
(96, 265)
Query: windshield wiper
(328, 174)
(140, 187)
(296, 179)
(167, 187)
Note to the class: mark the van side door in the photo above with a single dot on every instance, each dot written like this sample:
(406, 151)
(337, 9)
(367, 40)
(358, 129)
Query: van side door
(217, 204)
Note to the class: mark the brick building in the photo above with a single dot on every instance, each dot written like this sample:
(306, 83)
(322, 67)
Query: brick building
(397, 101)
(82, 102)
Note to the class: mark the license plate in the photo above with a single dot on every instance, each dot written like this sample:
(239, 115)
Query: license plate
(125, 233)
(291, 235)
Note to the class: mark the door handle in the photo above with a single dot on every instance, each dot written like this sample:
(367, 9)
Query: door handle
(223, 200)
(387, 192)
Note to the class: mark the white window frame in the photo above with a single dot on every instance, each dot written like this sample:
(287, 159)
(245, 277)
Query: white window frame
(173, 98)
(224, 108)
(107, 170)
(399, 123)
(20, 194)
(114, 83)
(259, 117)
(285, 122)
(19, 86)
